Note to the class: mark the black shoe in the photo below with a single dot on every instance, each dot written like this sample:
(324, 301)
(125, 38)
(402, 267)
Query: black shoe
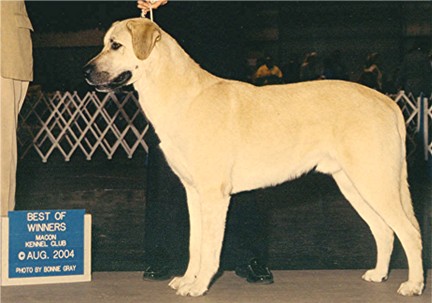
(255, 272)
(157, 273)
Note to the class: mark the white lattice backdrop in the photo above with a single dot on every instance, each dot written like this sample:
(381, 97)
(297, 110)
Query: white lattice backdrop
(418, 119)
(69, 123)
(427, 120)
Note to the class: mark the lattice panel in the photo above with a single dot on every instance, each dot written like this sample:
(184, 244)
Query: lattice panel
(411, 111)
(69, 124)
(427, 134)
(418, 114)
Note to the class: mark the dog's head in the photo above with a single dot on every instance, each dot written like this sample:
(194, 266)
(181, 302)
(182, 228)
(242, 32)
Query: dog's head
(127, 44)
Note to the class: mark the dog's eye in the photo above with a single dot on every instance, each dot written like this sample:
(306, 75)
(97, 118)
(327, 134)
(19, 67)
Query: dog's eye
(115, 45)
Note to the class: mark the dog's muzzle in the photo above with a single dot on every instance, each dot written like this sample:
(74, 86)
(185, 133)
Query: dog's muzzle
(101, 80)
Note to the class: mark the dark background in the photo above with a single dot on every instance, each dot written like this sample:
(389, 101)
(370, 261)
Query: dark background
(221, 35)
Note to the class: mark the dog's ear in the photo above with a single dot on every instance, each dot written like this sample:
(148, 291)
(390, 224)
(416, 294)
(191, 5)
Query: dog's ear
(144, 37)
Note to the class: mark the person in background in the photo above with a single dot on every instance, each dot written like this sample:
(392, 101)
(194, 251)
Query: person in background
(291, 70)
(267, 73)
(311, 68)
(415, 75)
(371, 75)
(16, 74)
(166, 228)
(334, 67)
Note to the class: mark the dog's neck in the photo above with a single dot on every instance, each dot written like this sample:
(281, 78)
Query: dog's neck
(172, 79)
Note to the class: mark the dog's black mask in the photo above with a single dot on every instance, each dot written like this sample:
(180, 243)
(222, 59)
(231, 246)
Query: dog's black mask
(101, 80)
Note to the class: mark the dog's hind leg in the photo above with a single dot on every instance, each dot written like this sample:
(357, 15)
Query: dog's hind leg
(212, 215)
(382, 189)
(383, 234)
(407, 229)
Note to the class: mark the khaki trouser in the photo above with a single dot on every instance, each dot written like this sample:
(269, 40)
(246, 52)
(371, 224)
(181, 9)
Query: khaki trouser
(13, 93)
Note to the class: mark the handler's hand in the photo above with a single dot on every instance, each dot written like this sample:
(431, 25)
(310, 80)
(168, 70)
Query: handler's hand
(145, 5)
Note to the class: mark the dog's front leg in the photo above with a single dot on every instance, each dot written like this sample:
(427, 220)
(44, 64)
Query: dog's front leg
(214, 207)
(194, 208)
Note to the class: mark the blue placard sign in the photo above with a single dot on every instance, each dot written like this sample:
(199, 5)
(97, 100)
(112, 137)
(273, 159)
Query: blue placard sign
(46, 243)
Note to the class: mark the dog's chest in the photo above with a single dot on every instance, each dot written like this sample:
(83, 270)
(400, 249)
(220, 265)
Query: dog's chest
(176, 161)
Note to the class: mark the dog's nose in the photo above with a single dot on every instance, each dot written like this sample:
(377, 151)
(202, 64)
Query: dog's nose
(87, 70)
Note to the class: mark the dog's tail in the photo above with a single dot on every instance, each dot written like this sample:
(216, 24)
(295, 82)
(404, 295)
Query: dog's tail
(404, 186)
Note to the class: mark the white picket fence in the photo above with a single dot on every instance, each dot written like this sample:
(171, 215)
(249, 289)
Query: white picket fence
(68, 123)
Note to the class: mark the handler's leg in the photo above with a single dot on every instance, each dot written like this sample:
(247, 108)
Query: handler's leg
(13, 93)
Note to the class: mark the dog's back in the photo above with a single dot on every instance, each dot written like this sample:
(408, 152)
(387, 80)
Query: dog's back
(283, 131)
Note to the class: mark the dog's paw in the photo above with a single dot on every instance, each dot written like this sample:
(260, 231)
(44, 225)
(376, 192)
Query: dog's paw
(176, 282)
(409, 288)
(179, 282)
(373, 275)
(188, 286)
(193, 290)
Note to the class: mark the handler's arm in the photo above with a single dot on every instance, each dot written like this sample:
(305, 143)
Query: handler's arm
(145, 5)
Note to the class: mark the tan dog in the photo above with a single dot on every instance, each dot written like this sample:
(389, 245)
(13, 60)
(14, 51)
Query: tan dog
(222, 137)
